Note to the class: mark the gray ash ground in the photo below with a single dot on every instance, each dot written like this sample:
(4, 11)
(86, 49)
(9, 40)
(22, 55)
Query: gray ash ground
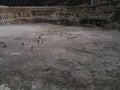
(70, 58)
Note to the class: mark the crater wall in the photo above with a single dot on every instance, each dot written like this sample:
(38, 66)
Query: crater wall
(99, 15)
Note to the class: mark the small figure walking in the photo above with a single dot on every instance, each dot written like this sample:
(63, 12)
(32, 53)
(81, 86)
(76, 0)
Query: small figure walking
(4, 46)
(38, 41)
(42, 41)
(41, 34)
(39, 37)
(32, 48)
(22, 43)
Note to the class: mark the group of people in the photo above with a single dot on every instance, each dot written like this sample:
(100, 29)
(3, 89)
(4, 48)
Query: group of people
(31, 48)
(38, 41)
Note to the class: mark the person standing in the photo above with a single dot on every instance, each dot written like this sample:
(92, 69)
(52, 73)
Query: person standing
(39, 37)
(38, 41)
(22, 43)
(4, 45)
(41, 34)
(31, 48)
(42, 41)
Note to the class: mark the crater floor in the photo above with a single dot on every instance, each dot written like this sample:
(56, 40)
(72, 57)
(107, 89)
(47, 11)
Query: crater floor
(57, 57)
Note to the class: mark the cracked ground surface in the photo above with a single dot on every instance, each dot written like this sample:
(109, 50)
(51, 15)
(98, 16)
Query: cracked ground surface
(70, 58)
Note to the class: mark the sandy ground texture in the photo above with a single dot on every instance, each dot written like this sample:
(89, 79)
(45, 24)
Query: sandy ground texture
(56, 57)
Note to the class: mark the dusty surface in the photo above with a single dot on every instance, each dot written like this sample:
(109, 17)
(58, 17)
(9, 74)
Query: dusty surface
(70, 58)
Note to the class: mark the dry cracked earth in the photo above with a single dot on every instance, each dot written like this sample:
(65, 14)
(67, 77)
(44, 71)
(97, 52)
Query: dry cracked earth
(69, 58)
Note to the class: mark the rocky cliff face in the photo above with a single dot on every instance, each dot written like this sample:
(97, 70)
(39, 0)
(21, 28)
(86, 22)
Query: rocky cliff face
(105, 15)
(102, 15)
